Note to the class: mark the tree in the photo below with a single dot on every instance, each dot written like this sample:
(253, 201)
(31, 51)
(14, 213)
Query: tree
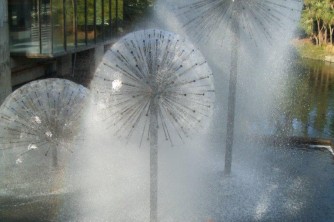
(329, 19)
(307, 23)
(317, 19)
(135, 9)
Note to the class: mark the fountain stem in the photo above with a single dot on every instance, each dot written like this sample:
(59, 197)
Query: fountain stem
(153, 130)
(232, 89)
(54, 156)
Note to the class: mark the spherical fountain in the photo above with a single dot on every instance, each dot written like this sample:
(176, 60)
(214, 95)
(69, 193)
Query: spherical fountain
(40, 129)
(151, 80)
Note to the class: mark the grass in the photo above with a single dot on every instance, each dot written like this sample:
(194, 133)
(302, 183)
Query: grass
(307, 49)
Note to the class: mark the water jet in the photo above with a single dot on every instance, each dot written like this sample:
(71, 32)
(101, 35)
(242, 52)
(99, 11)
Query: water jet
(151, 80)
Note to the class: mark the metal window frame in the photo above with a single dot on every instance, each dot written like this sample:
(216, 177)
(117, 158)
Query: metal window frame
(102, 22)
(94, 22)
(110, 18)
(116, 16)
(86, 21)
(64, 28)
(39, 27)
(75, 14)
(51, 23)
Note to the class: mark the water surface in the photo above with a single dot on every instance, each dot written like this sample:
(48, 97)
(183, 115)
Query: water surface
(307, 107)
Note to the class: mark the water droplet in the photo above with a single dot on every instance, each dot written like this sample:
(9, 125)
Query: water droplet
(19, 161)
(48, 134)
(37, 120)
(116, 85)
(32, 147)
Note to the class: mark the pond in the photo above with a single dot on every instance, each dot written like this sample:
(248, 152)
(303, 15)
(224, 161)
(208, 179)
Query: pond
(308, 104)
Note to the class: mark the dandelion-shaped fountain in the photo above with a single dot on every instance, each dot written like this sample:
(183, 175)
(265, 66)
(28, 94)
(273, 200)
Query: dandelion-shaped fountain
(42, 117)
(249, 22)
(154, 82)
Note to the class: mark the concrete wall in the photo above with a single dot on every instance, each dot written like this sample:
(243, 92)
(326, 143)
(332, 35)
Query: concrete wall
(79, 67)
(25, 70)
(85, 64)
(5, 71)
(14, 71)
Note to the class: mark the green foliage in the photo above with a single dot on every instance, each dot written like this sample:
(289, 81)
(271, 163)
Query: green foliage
(307, 50)
(135, 9)
(90, 11)
(317, 20)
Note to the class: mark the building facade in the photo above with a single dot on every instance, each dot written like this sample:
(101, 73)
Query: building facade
(55, 38)
(5, 73)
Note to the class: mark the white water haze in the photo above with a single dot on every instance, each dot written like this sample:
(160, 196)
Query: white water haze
(190, 174)
(108, 177)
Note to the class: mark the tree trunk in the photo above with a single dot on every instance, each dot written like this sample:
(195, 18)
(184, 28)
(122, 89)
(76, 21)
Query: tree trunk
(325, 37)
(331, 34)
(316, 40)
(319, 32)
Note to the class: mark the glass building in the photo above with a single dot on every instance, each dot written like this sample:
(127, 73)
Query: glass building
(50, 28)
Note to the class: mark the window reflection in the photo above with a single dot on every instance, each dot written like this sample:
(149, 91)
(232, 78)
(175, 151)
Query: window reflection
(90, 21)
(99, 20)
(107, 19)
(23, 25)
(114, 4)
(70, 24)
(56, 26)
(45, 24)
(81, 21)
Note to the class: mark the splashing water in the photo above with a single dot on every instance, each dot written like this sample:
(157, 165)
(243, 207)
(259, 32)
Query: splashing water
(42, 115)
(248, 26)
(259, 21)
(150, 80)
(154, 64)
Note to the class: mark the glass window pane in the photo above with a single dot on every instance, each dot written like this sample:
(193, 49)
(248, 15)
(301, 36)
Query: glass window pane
(90, 22)
(24, 26)
(113, 16)
(107, 20)
(99, 20)
(117, 14)
(81, 18)
(70, 24)
(120, 9)
(58, 25)
(45, 26)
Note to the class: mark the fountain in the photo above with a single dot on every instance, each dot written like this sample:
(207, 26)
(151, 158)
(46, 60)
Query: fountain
(249, 25)
(268, 182)
(39, 121)
(152, 80)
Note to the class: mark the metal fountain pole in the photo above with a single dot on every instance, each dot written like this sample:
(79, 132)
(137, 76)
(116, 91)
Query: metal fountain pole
(232, 86)
(54, 148)
(54, 156)
(153, 130)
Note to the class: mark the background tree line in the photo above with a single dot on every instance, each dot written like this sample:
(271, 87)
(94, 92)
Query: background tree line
(317, 21)
(136, 9)
(125, 10)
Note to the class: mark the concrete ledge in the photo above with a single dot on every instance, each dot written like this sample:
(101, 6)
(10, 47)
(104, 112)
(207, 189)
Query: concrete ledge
(306, 143)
